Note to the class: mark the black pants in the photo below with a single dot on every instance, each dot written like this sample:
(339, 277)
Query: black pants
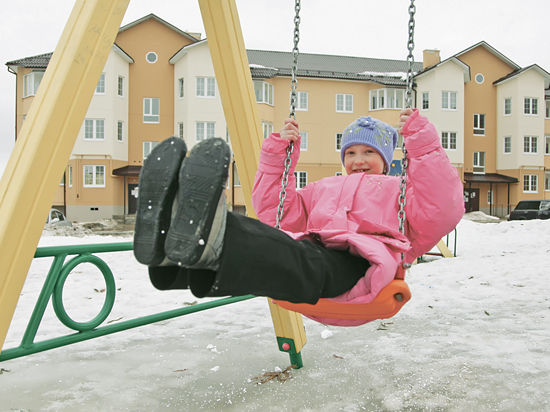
(260, 260)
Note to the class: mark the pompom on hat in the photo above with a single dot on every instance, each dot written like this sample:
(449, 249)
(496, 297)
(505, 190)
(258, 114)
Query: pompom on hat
(374, 133)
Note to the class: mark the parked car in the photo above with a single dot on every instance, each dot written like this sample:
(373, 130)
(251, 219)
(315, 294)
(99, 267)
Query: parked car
(531, 209)
(56, 218)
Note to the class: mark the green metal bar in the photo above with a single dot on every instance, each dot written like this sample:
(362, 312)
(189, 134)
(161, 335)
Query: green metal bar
(49, 251)
(13, 353)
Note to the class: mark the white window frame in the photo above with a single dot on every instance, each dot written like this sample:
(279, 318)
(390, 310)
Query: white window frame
(148, 147)
(149, 115)
(338, 141)
(489, 197)
(530, 144)
(70, 173)
(479, 162)
(120, 86)
(301, 179)
(100, 86)
(205, 87)
(302, 101)
(181, 88)
(425, 100)
(530, 183)
(507, 143)
(180, 130)
(204, 130)
(547, 109)
(31, 81)
(304, 137)
(97, 129)
(547, 181)
(479, 124)
(507, 106)
(448, 100)
(448, 140)
(385, 98)
(267, 129)
(120, 131)
(346, 103)
(264, 92)
(547, 144)
(530, 106)
(94, 169)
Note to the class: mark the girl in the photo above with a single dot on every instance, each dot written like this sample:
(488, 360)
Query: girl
(340, 235)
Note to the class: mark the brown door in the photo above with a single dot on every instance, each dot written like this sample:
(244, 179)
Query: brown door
(471, 200)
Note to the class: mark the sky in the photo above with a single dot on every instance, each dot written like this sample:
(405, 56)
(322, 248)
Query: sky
(363, 28)
(474, 337)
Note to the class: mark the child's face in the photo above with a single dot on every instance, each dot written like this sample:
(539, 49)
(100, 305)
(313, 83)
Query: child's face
(361, 158)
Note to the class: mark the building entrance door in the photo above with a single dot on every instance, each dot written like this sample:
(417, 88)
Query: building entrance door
(471, 200)
(133, 190)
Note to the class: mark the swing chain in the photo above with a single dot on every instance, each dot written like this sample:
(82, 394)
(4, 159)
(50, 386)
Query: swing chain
(401, 215)
(293, 84)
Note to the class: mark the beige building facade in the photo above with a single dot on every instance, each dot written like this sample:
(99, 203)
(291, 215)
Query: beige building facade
(492, 115)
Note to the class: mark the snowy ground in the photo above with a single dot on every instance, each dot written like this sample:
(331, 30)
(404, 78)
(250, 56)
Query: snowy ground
(475, 337)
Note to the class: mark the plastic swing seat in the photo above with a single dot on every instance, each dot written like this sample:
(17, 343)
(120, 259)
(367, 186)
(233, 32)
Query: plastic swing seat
(385, 305)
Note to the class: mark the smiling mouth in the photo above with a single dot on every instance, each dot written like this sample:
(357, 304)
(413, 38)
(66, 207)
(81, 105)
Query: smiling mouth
(360, 171)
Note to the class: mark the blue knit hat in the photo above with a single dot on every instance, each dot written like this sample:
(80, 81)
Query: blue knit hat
(374, 133)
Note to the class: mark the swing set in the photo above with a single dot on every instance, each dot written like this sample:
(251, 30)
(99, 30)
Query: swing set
(47, 137)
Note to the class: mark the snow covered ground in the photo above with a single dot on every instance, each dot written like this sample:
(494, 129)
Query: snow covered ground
(475, 337)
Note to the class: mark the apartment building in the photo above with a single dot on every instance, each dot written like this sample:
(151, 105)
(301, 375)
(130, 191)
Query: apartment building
(492, 115)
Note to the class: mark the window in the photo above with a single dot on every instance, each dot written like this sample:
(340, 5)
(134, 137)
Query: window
(344, 103)
(530, 105)
(205, 130)
(479, 78)
(94, 176)
(120, 88)
(206, 87)
(100, 88)
(479, 124)
(425, 100)
(479, 162)
(547, 109)
(489, 197)
(236, 178)
(62, 182)
(448, 140)
(151, 57)
(547, 181)
(263, 91)
(530, 184)
(70, 176)
(386, 99)
(180, 130)
(180, 87)
(267, 128)
(507, 144)
(547, 145)
(303, 141)
(120, 131)
(448, 100)
(529, 144)
(31, 82)
(338, 141)
(507, 106)
(94, 129)
(151, 110)
(147, 148)
(301, 179)
(302, 101)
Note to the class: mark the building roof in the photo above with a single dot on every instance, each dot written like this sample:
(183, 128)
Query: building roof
(488, 178)
(33, 62)
(492, 50)
(157, 18)
(515, 73)
(127, 171)
(267, 64)
(465, 68)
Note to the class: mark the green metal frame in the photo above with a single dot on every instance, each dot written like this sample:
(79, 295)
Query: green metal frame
(53, 287)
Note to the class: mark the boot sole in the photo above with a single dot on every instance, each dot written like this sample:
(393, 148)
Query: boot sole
(158, 182)
(202, 180)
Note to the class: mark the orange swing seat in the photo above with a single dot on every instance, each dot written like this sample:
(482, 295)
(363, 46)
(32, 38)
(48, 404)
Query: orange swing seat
(385, 305)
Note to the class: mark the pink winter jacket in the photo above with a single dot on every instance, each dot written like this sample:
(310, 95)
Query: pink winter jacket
(359, 212)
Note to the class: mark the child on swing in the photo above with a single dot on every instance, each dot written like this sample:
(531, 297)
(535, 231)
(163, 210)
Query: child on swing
(339, 236)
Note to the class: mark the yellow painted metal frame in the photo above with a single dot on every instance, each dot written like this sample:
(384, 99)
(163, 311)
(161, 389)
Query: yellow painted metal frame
(46, 139)
(226, 44)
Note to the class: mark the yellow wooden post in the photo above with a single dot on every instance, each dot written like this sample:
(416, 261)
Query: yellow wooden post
(225, 40)
(445, 252)
(46, 139)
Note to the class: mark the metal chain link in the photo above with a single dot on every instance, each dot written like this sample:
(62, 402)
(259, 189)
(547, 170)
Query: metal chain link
(293, 84)
(401, 215)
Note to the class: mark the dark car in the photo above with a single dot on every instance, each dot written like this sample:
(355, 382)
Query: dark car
(531, 209)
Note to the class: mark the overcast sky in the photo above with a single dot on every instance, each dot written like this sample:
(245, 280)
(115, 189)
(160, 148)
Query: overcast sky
(518, 29)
